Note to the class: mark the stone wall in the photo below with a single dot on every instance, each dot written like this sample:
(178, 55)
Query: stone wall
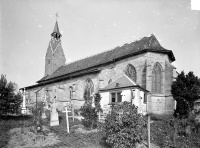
(56, 58)
(158, 102)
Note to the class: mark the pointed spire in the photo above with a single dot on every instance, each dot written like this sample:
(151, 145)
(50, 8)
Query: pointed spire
(56, 33)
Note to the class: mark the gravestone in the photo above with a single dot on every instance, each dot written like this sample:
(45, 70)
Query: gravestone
(54, 114)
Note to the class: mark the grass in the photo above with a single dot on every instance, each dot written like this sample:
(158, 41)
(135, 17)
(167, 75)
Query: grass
(72, 140)
(80, 140)
(10, 122)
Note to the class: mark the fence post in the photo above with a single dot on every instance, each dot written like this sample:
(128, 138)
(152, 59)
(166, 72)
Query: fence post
(72, 112)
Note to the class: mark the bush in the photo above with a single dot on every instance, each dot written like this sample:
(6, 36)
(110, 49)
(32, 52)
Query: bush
(90, 116)
(168, 131)
(90, 113)
(127, 129)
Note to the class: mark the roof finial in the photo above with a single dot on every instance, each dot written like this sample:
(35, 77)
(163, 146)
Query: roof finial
(56, 15)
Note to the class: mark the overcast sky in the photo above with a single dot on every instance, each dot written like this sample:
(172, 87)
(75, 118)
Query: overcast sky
(92, 26)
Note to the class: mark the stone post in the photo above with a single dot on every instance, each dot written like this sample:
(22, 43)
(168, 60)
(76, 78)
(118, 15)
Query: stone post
(23, 111)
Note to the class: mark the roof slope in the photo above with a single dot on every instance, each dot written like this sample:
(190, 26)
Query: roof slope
(146, 44)
(121, 82)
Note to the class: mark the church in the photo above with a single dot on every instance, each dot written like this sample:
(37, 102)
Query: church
(144, 64)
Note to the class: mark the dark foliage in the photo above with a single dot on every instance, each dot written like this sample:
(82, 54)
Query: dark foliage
(167, 131)
(185, 91)
(97, 99)
(89, 112)
(124, 127)
(90, 116)
(9, 101)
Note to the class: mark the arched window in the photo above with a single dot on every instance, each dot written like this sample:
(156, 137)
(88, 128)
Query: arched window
(70, 92)
(89, 88)
(131, 72)
(156, 78)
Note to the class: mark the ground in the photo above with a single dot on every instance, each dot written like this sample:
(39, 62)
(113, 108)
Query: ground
(18, 132)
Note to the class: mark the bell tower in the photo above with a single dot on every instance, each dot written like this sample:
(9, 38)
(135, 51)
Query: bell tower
(55, 56)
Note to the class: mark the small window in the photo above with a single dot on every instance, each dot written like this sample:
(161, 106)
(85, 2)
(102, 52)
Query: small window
(145, 98)
(70, 92)
(116, 97)
(119, 97)
(48, 61)
(113, 97)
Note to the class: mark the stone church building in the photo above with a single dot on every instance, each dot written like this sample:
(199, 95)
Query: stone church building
(144, 61)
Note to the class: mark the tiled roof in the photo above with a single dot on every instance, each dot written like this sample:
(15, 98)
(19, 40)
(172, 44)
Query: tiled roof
(121, 82)
(44, 78)
(146, 44)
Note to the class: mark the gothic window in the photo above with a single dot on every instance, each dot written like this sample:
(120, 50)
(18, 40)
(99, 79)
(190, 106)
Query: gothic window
(89, 88)
(156, 78)
(131, 72)
(48, 61)
(70, 92)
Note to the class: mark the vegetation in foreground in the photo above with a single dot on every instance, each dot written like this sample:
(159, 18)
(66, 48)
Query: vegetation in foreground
(168, 131)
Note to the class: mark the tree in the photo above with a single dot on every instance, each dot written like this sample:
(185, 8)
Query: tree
(185, 91)
(9, 101)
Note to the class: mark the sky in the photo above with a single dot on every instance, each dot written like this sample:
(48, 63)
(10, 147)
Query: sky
(89, 27)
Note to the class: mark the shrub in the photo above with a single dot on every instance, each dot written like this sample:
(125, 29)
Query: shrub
(127, 129)
(90, 116)
(97, 99)
(90, 113)
(169, 131)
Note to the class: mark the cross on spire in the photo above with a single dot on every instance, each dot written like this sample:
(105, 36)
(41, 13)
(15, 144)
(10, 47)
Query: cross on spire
(56, 33)
(56, 15)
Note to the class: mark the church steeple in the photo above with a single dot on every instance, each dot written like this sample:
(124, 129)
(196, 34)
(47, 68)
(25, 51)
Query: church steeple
(55, 56)
(56, 33)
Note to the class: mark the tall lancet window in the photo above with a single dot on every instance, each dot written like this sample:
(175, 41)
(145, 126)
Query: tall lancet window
(157, 79)
(70, 92)
(131, 72)
(89, 88)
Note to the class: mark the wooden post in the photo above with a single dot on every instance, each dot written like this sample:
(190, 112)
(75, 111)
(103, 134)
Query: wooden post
(99, 116)
(148, 125)
(72, 111)
(67, 118)
(148, 131)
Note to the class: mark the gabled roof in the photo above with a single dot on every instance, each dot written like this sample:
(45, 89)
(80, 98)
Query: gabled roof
(56, 29)
(120, 83)
(146, 44)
